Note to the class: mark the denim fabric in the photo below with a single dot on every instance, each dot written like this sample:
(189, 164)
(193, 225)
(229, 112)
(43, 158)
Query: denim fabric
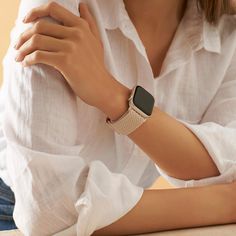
(7, 201)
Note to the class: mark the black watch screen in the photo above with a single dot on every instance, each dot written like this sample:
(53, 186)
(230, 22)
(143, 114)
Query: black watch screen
(143, 100)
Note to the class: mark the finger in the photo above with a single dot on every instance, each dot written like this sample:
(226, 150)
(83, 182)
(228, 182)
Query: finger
(49, 58)
(40, 42)
(54, 10)
(86, 15)
(43, 27)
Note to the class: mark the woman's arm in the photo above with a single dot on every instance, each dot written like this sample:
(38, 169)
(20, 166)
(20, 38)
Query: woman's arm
(177, 208)
(52, 182)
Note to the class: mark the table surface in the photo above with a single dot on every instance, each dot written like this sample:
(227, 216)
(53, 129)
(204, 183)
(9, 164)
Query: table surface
(224, 230)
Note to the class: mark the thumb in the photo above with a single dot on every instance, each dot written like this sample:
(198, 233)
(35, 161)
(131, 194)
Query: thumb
(86, 15)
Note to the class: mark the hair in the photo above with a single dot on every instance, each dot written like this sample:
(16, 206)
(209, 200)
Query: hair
(214, 9)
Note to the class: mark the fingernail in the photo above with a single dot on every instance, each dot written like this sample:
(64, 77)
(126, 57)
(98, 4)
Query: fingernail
(23, 63)
(18, 57)
(24, 19)
(15, 46)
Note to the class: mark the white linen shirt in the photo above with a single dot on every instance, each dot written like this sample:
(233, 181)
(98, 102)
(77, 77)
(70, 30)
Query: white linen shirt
(67, 168)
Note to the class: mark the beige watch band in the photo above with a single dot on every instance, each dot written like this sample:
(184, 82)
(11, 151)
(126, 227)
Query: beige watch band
(130, 120)
(126, 124)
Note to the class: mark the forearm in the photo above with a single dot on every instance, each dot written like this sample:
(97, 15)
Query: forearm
(174, 147)
(177, 208)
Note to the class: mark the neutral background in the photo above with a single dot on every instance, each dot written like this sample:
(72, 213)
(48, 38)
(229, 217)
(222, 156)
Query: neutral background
(8, 13)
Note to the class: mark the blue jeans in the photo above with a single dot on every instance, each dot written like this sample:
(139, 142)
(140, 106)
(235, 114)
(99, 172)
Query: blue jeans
(7, 202)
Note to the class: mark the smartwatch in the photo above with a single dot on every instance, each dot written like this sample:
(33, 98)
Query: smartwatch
(141, 104)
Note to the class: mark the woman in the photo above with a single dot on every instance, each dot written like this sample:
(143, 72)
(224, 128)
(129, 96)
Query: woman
(182, 55)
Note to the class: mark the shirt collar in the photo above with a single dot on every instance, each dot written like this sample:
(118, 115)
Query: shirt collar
(113, 13)
(199, 33)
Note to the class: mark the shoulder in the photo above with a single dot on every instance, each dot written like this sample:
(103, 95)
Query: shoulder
(26, 5)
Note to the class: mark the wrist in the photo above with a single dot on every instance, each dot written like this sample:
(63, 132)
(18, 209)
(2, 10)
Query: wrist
(116, 102)
(119, 104)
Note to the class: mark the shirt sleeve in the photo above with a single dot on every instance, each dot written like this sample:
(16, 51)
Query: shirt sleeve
(54, 186)
(217, 132)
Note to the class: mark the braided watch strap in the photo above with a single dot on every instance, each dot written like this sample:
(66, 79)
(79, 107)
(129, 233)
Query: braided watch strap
(126, 124)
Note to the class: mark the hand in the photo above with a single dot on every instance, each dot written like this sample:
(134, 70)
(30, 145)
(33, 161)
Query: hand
(73, 47)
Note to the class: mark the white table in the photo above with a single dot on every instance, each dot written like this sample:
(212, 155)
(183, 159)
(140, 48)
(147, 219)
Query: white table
(225, 230)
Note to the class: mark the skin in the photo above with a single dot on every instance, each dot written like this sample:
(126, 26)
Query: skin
(77, 41)
(150, 22)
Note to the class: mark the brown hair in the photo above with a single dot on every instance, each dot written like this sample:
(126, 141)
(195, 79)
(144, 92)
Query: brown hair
(214, 9)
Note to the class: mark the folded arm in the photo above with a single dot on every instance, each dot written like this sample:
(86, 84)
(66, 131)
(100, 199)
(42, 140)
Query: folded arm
(54, 186)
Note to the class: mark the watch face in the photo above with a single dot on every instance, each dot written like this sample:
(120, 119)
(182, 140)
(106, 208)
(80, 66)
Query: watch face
(143, 100)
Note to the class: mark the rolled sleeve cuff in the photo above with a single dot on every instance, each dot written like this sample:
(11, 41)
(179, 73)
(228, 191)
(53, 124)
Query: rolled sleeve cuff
(225, 177)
